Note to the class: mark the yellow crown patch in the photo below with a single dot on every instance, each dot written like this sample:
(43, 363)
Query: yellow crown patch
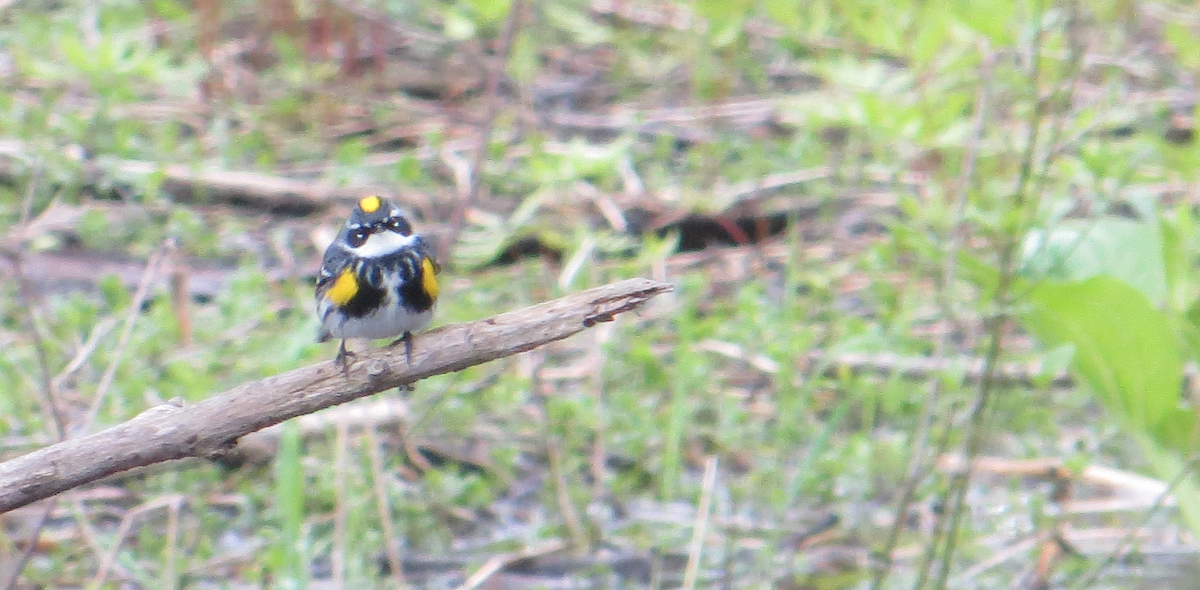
(370, 204)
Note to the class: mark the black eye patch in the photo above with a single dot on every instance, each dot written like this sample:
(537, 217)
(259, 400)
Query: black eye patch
(358, 236)
(399, 225)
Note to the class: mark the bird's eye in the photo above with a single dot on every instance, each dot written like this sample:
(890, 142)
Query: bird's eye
(357, 237)
(399, 225)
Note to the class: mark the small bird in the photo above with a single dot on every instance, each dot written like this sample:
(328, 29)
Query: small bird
(378, 279)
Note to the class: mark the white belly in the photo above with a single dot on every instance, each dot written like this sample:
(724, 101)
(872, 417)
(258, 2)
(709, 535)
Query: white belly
(390, 321)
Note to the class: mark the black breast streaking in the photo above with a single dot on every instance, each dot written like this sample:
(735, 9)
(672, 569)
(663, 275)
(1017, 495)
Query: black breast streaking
(374, 276)
(365, 301)
(412, 290)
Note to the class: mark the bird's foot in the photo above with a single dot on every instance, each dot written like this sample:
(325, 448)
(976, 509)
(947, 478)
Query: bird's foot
(407, 340)
(343, 358)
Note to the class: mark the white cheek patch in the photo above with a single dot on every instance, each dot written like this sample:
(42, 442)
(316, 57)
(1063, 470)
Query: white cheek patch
(383, 243)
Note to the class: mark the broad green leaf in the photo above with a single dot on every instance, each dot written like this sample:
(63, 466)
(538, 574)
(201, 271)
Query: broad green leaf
(1175, 265)
(1125, 349)
(1080, 249)
(1178, 430)
(1179, 244)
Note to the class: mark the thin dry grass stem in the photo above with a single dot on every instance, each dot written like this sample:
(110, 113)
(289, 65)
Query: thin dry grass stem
(1089, 579)
(230, 187)
(605, 205)
(127, 520)
(752, 189)
(48, 396)
(909, 368)
(338, 558)
(99, 331)
(18, 565)
(89, 534)
(181, 296)
(562, 496)
(1138, 491)
(496, 564)
(1052, 546)
(512, 23)
(631, 182)
(131, 316)
(172, 566)
(48, 399)
(915, 472)
(700, 528)
(599, 451)
(30, 192)
(391, 541)
(998, 558)
(411, 450)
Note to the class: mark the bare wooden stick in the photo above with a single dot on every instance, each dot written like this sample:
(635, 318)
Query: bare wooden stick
(188, 183)
(207, 429)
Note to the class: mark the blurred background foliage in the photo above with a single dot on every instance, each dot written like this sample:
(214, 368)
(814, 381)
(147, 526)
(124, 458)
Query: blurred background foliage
(902, 234)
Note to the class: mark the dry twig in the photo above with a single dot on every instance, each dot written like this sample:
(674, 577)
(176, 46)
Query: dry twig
(498, 563)
(190, 183)
(700, 529)
(51, 405)
(209, 428)
(516, 11)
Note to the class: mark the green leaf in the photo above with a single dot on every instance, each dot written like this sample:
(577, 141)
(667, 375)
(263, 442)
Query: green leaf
(170, 10)
(993, 20)
(1175, 263)
(75, 53)
(1179, 242)
(785, 13)
(1120, 248)
(1178, 430)
(578, 24)
(1125, 349)
(490, 11)
(1182, 39)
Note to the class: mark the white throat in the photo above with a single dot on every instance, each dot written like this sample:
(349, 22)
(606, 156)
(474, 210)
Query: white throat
(383, 243)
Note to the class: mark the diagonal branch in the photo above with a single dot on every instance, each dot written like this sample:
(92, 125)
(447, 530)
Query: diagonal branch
(210, 427)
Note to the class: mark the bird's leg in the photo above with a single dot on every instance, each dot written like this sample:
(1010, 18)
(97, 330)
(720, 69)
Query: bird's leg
(343, 357)
(407, 340)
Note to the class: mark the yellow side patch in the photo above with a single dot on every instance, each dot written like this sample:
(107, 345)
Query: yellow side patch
(428, 278)
(370, 204)
(344, 288)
